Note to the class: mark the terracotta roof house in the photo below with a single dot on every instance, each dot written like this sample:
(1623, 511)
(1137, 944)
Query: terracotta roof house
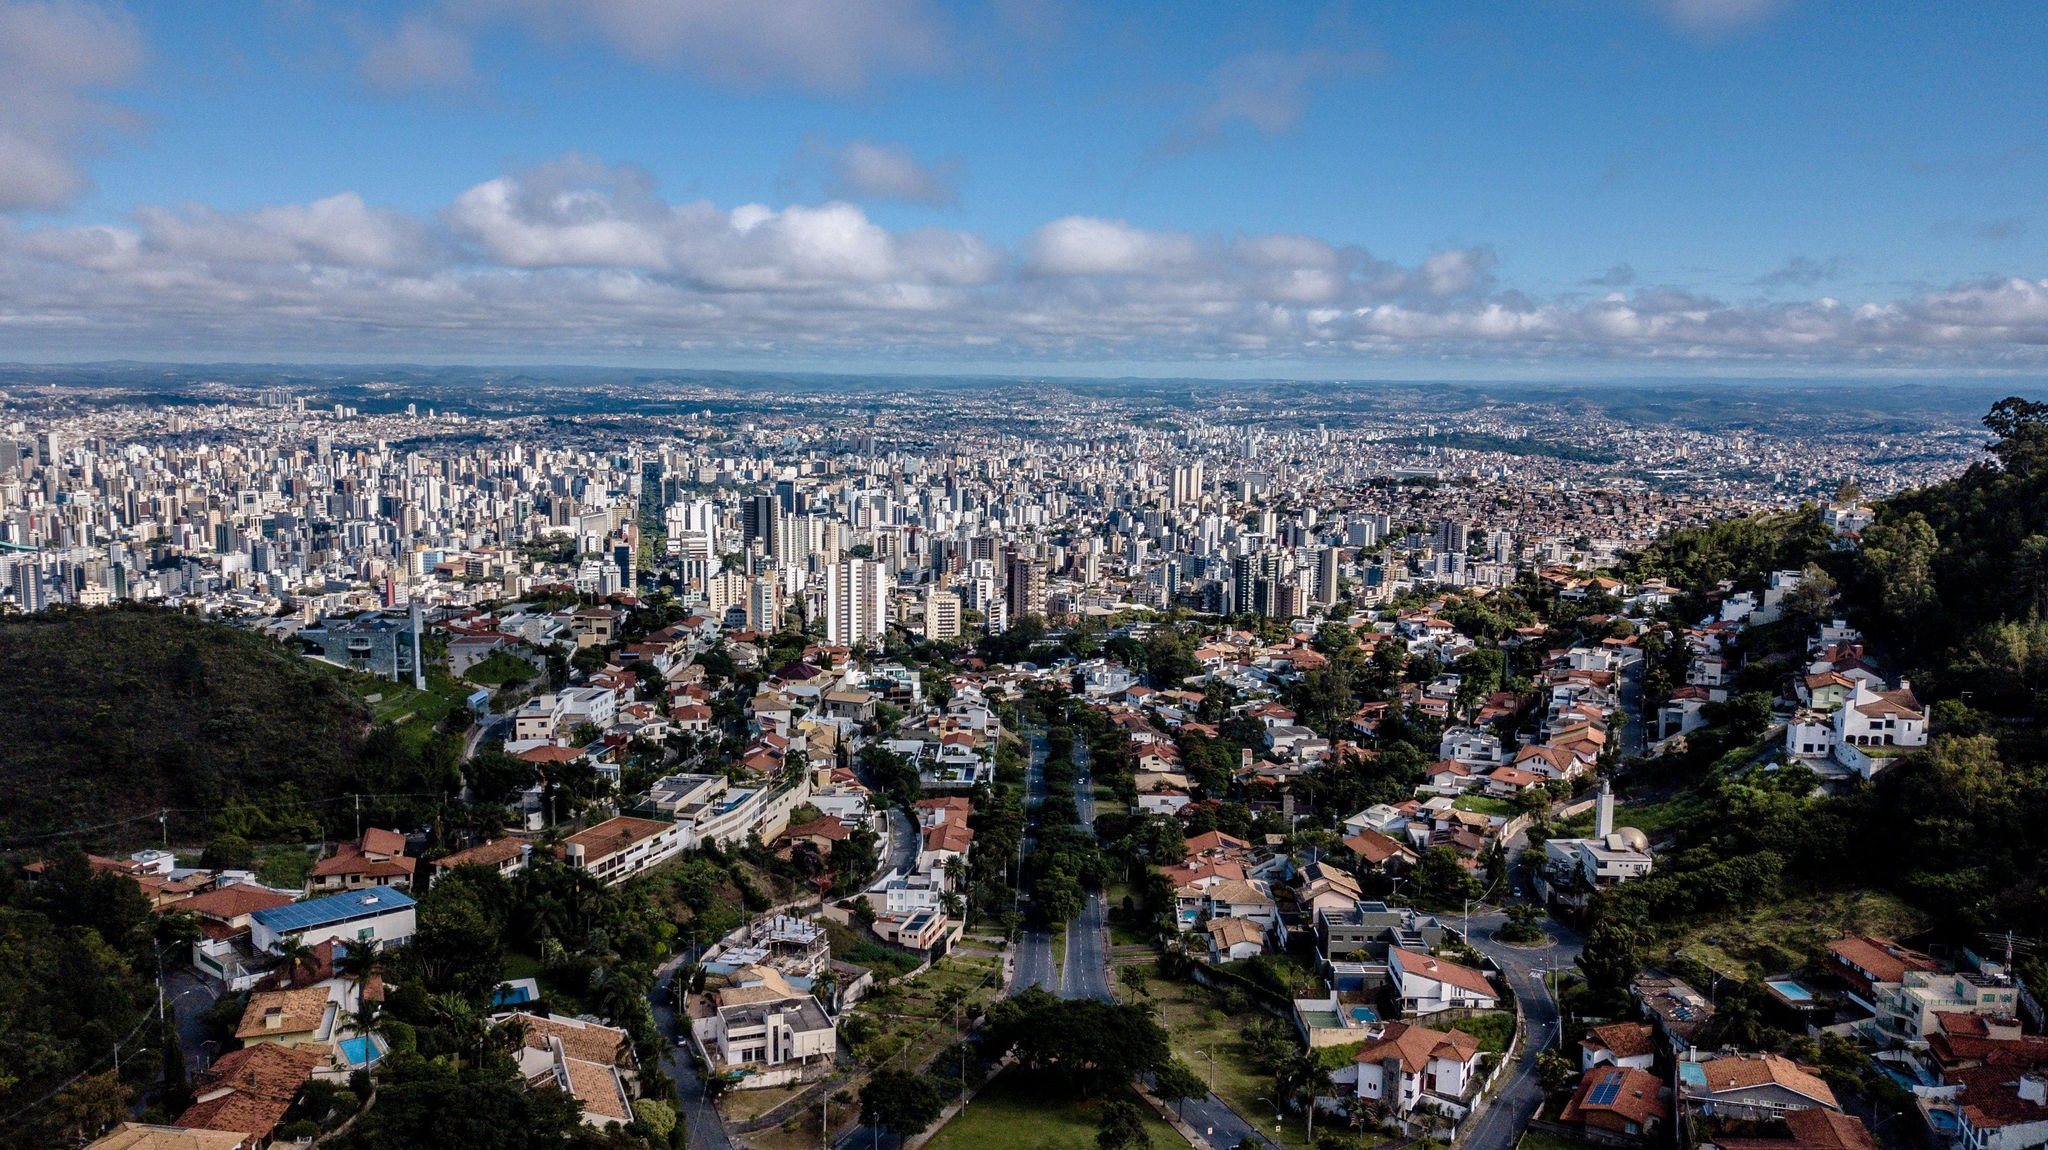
(1814, 1129)
(1866, 962)
(249, 1090)
(1752, 1087)
(1618, 1044)
(1618, 1100)
(1425, 983)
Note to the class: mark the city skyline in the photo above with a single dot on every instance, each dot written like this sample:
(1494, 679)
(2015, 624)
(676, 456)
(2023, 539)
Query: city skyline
(1686, 187)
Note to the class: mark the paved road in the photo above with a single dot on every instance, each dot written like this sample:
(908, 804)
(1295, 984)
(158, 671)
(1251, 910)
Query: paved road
(187, 995)
(1519, 1095)
(1634, 728)
(1035, 965)
(707, 1130)
(1087, 972)
(1220, 1125)
(901, 854)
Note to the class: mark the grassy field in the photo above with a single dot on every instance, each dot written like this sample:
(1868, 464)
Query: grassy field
(1212, 1044)
(1492, 1030)
(1485, 806)
(1653, 819)
(1794, 931)
(916, 1019)
(286, 865)
(1013, 1113)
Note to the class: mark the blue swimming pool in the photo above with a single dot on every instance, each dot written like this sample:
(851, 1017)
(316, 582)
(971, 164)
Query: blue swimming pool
(1791, 990)
(361, 1051)
(1364, 1014)
(1944, 1122)
(1692, 1074)
(511, 994)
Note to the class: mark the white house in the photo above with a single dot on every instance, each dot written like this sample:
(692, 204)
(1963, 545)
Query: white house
(1872, 725)
(1472, 747)
(1810, 735)
(1408, 1064)
(379, 914)
(1427, 984)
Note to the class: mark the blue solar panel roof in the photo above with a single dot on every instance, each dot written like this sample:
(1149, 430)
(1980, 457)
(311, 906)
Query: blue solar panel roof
(1606, 1090)
(334, 908)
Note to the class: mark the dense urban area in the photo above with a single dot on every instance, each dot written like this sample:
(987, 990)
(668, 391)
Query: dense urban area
(466, 759)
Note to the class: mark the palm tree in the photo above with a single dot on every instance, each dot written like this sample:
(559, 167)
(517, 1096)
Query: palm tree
(462, 1021)
(295, 956)
(1304, 1076)
(357, 962)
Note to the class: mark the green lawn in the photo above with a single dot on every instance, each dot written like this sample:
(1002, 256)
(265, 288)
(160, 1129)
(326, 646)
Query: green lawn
(1653, 819)
(1485, 806)
(286, 865)
(1212, 1043)
(1015, 1113)
(1794, 931)
(1493, 1031)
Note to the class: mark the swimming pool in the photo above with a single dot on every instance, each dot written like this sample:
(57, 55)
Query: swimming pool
(1364, 1014)
(1944, 1122)
(1790, 990)
(362, 1050)
(1692, 1074)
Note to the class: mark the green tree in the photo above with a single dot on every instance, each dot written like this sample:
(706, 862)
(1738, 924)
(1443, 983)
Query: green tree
(1174, 1083)
(1120, 1125)
(901, 1102)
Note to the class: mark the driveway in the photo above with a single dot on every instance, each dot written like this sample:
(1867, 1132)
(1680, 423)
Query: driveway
(707, 1130)
(1519, 1095)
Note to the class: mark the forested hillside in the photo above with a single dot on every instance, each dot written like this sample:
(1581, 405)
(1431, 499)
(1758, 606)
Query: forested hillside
(1950, 586)
(110, 714)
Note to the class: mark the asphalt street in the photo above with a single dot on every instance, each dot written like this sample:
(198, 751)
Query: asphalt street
(901, 853)
(1035, 965)
(187, 996)
(707, 1130)
(1519, 1094)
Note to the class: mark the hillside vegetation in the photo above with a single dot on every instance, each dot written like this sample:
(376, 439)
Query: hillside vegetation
(111, 714)
(1950, 584)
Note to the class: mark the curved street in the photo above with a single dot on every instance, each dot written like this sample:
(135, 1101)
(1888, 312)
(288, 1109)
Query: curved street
(1518, 1095)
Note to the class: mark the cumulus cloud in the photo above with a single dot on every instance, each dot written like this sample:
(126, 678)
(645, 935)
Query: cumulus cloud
(57, 61)
(1267, 92)
(578, 258)
(867, 170)
(1715, 18)
(580, 213)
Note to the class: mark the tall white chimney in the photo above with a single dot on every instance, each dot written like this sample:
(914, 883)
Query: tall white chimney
(1603, 819)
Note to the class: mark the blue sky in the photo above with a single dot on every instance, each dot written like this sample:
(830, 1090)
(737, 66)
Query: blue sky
(1734, 186)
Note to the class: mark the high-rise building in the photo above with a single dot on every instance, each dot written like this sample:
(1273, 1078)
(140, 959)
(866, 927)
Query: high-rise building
(941, 616)
(856, 602)
(1326, 576)
(1027, 587)
(1187, 485)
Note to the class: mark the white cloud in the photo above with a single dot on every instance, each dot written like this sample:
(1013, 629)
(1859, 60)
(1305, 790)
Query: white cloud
(1713, 18)
(56, 61)
(866, 170)
(577, 258)
(1267, 92)
(838, 46)
(421, 53)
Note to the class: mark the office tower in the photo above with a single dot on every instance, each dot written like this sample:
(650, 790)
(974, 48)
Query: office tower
(1187, 485)
(1326, 576)
(1027, 587)
(757, 518)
